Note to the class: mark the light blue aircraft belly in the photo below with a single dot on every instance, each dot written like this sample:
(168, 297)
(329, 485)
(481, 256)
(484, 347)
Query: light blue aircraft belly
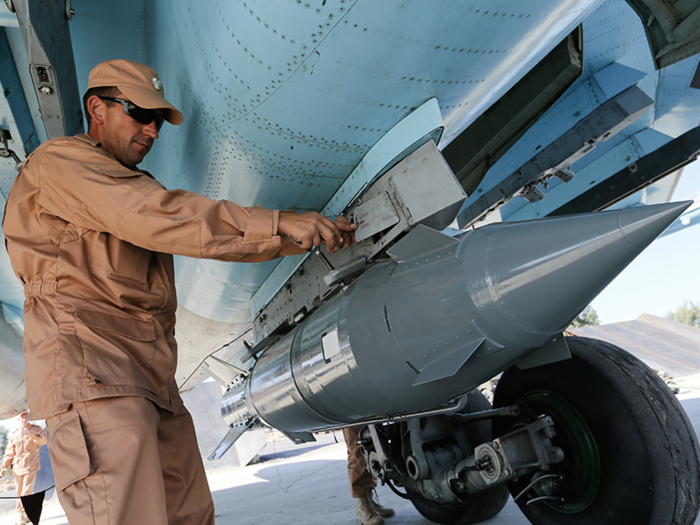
(283, 101)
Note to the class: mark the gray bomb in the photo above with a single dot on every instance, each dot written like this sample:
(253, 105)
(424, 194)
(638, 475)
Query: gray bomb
(439, 317)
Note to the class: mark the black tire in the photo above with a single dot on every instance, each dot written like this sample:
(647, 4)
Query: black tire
(480, 506)
(631, 454)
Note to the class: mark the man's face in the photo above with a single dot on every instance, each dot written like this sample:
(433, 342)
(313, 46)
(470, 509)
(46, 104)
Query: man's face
(24, 420)
(124, 138)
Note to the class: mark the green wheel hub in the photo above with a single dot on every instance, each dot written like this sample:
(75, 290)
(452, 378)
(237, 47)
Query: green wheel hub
(581, 466)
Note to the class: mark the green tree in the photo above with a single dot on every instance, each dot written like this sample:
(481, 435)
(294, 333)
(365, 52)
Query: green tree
(589, 317)
(3, 440)
(688, 313)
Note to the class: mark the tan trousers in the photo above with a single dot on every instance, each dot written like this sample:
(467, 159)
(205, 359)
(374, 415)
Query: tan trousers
(361, 480)
(124, 461)
(24, 484)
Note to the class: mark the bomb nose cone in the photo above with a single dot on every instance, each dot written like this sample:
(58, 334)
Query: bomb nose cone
(536, 276)
(642, 225)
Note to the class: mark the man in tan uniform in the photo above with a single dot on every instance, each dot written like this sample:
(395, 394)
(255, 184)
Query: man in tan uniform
(90, 237)
(363, 483)
(22, 454)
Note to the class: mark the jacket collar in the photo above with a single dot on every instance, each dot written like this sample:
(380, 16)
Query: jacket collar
(84, 137)
(121, 171)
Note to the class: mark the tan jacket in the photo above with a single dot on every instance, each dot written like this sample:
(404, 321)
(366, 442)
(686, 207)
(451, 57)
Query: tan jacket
(22, 451)
(90, 240)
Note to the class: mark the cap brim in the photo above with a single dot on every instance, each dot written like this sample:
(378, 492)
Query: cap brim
(149, 100)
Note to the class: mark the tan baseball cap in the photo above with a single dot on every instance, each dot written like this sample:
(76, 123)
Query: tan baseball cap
(139, 83)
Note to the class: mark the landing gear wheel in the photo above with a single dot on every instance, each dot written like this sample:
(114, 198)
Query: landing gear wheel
(480, 506)
(631, 454)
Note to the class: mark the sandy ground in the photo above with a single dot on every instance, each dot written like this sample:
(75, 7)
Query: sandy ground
(305, 485)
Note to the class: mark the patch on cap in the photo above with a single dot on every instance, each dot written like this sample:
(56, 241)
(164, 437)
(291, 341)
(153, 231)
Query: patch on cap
(157, 83)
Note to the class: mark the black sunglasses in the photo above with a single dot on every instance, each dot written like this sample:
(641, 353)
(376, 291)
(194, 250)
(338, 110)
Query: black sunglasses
(141, 115)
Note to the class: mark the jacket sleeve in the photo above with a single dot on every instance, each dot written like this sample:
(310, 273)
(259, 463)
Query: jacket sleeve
(95, 193)
(9, 456)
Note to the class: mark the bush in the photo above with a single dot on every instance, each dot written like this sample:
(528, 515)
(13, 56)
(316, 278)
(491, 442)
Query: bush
(3, 440)
(688, 313)
(589, 317)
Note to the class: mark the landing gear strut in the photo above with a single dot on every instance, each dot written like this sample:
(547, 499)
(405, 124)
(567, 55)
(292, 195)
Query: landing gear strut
(595, 439)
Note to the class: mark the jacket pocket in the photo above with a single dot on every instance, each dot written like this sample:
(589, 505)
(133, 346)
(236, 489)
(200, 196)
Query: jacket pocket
(120, 261)
(69, 453)
(118, 351)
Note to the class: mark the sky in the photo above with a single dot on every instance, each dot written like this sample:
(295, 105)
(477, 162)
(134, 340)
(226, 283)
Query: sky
(663, 276)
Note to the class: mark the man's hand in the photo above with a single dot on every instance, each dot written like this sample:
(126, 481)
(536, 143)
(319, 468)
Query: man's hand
(2, 472)
(347, 231)
(38, 435)
(313, 229)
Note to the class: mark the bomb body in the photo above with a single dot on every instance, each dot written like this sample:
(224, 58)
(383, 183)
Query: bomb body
(439, 317)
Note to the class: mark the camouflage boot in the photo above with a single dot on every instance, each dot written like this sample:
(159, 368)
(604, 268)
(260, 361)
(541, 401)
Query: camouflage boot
(23, 519)
(366, 514)
(384, 512)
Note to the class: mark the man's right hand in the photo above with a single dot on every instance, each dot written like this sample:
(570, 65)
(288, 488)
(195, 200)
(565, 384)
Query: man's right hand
(2, 472)
(313, 229)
